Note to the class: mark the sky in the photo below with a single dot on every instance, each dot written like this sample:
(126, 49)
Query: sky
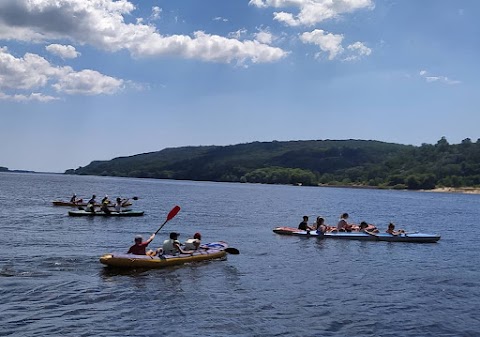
(85, 80)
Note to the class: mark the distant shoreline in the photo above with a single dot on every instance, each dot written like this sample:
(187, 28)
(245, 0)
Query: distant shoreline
(463, 190)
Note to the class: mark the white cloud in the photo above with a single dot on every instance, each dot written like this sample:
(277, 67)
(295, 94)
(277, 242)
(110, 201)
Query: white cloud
(238, 34)
(65, 52)
(264, 36)
(439, 79)
(219, 18)
(311, 12)
(27, 98)
(33, 72)
(101, 23)
(358, 49)
(332, 44)
(88, 82)
(327, 42)
(156, 11)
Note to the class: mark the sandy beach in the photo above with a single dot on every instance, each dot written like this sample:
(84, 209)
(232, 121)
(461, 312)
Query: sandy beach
(466, 190)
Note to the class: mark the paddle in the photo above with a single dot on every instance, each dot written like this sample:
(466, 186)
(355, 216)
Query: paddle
(170, 216)
(231, 250)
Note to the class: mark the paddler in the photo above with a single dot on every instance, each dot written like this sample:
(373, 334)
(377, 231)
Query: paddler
(172, 246)
(140, 246)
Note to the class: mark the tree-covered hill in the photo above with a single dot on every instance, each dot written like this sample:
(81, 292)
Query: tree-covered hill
(331, 162)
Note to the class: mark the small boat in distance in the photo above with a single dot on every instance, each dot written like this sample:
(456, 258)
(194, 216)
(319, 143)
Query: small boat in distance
(83, 204)
(111, 214)
(354, 235)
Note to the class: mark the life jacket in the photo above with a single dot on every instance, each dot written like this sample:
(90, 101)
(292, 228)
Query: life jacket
(192, 244)
(169, 248)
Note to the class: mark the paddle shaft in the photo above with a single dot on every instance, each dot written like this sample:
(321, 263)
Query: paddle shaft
(170, 216)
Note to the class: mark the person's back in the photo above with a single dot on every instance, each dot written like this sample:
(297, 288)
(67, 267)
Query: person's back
(91, 204)
(342, 224)
(170, 246)
(304, 224)
(118, 205)
(193, 244)
(105, 208)
(140, 248)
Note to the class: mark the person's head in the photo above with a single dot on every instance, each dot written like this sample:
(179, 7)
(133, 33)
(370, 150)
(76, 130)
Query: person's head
(94, 196)
(197, 235)
(320, 220)
(345, 216)
(174, 235)
(391, 226)
(118, 199)
(305, 218)
(363, 225)
(138, 239)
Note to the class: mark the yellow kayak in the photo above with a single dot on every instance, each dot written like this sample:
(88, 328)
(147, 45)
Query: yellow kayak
(210, 251)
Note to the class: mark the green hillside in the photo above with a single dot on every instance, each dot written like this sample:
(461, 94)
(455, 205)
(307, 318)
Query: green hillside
(331, 162)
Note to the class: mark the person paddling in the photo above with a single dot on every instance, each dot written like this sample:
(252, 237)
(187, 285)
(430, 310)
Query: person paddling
(304, 224)
(74, 199)
(343, 225)
(140, 246)
(391, 230)
(91, 204)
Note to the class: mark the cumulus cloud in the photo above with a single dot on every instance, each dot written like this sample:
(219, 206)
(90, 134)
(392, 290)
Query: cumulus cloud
(65, 52)
(358, 50)
(32, 72)
(440, 79)
(311, 12)
(102, 23)
(264, 36)
(87, 82)
(27, 98)
(327, 42)
(332, 45)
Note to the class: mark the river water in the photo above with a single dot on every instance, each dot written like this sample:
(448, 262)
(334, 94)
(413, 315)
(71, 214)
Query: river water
(52, 284)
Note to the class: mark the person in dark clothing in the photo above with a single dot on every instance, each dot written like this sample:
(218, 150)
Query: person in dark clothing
(304, 224)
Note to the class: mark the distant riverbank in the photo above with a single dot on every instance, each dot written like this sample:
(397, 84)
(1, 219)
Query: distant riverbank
(466, 190)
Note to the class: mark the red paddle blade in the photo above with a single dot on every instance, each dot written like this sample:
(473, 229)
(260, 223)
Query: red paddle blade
(173, 212)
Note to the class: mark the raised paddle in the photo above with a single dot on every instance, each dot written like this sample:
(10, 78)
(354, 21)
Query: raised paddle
(170, 216)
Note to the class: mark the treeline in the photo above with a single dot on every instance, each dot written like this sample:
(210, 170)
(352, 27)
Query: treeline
(325, 162)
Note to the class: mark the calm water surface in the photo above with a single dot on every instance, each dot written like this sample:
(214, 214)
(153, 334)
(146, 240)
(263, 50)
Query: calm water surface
(51, 283)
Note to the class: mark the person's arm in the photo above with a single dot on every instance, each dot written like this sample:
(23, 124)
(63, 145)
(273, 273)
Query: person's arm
(179, 248)
(150, 238)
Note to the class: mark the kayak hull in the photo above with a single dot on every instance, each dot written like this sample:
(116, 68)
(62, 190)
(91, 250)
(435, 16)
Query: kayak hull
(112, 214)
(211, 251)
(408, 237)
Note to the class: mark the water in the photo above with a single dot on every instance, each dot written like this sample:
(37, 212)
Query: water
(51, 283)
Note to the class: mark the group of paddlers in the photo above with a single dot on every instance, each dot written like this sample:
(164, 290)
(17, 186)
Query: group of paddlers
(344, 226)
(105, 205)
(171, 246)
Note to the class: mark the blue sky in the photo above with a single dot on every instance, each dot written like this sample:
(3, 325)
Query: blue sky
(84, 80)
